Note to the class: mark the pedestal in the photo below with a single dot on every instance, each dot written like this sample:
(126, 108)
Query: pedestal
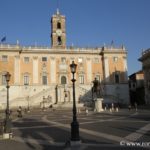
(98, 105)
(7, 136)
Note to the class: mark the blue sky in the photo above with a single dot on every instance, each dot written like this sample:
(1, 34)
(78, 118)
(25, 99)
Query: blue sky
(89, 23)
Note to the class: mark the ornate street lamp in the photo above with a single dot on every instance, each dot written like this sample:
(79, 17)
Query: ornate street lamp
(7, 121)
(74, 125)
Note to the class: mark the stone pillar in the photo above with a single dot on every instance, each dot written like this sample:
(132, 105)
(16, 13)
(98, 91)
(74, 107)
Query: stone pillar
(35, 70)
(106, 69)
(17, 70)
(89, 70)
(98, 105)
(53, 70)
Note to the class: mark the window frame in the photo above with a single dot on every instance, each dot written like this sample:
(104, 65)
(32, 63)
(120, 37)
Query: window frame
(4, 58)
(25, 59)
(44, 80)
(44, 58)
(26, 79)
(81, 79)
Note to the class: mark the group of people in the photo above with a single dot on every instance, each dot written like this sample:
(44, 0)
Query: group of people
(130, 106)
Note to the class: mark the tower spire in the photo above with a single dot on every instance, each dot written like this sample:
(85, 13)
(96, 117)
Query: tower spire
(57, 8)
(57, 11)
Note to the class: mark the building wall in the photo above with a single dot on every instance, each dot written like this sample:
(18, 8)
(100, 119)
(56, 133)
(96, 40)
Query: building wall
(89, 64)
(145, 59)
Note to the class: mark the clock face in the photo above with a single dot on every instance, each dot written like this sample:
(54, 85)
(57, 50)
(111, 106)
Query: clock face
(58, 32)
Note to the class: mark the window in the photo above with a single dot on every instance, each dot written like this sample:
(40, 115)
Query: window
(81, 79)
(116, 78)
(26, 79)
(115, 59)
(63, 60)
(44, 58)
(58, 25)
(44, 80)
(4, 58)
(59, 41)
(63, 80)
(3, 80)
(96, 60)
(72, 59)
(80, 59)
(26, 59)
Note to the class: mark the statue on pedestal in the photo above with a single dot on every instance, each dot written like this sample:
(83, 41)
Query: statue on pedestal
(97, 95)
(96, 89)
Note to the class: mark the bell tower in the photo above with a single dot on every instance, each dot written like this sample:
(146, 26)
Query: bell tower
(58, 31)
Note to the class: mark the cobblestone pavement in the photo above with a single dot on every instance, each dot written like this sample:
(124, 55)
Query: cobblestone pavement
(43, 130)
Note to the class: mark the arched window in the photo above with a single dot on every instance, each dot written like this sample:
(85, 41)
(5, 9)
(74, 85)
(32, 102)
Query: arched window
(58, 25)
(63, 80)
(59, 41)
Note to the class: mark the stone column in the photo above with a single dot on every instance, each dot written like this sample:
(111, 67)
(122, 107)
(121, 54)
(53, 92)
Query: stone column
(53, 70)
(35, 70)
(17, 70)
(89, 70)
(106, 69)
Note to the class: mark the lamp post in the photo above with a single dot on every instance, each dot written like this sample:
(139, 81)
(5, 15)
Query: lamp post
(74, 125)
(7, 121)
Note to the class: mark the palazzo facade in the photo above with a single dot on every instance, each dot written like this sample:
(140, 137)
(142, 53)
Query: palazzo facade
(39, 73)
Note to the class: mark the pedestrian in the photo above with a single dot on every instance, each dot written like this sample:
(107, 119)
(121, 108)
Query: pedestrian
(86, 111)
(129, 107)
(135, 105)
(112, 106)
(19, 112)
(116, 109)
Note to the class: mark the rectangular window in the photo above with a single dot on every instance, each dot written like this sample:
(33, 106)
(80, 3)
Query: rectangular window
(26, 80)
(3, 80)
(115, 59)
(81, 79)
(44, 80)
(4, 58)
(26, 59)
(44, 59)
(72, 59)
(63, 60)
(80, 59)
(96, 60)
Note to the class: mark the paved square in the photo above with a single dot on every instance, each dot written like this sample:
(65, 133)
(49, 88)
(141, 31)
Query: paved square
(51, 130)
